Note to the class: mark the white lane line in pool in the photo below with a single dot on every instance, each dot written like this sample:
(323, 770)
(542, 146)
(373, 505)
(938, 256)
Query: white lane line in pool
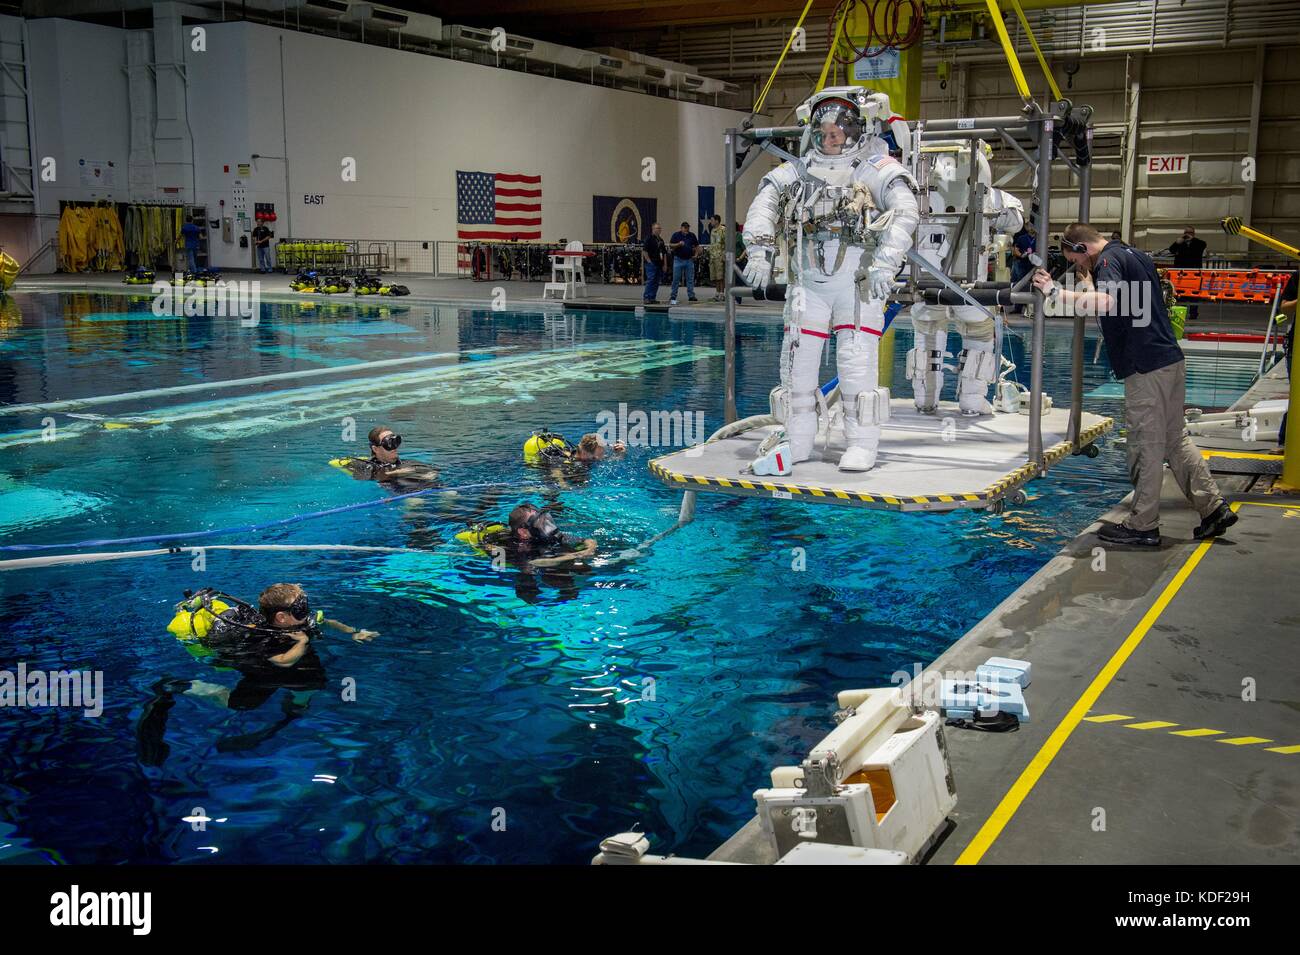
(69, 404)
(51, 560)
(311, 394)
(590, 362)
(519, 383)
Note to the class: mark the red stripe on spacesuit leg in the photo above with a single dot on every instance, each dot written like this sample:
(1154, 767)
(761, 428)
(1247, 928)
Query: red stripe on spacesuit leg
(869, 331)
(809, 331)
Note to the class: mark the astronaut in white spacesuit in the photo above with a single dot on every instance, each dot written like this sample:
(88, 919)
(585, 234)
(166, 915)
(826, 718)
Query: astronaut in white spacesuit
(847, 212)
(949, 191)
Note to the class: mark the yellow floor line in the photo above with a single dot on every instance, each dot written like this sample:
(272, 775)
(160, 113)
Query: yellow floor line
(1021, 788)
(1150, 725)
(1247, 455)
(1108, 718)
(1029, 777)
(1197, 733)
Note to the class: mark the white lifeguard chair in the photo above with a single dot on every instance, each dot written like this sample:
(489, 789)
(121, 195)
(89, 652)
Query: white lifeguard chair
(567, 276)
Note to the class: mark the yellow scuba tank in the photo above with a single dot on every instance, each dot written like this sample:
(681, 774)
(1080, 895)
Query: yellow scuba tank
(193, 617)
(545, 445)
(478, 535)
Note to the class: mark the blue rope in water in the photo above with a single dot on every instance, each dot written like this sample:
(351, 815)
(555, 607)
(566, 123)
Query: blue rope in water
(246, 529)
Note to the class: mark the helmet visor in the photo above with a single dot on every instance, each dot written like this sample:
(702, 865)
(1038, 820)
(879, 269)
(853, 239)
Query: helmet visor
(836, 125)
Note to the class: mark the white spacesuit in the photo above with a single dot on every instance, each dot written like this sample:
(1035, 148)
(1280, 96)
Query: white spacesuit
(977, 367)
(847, 212)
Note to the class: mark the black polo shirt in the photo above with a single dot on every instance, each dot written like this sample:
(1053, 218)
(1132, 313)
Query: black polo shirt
(1136, 326)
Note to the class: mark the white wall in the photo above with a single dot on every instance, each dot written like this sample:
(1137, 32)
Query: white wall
(410, 121)
(78, 91)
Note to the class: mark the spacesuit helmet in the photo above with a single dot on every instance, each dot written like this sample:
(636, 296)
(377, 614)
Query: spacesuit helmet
(844, 119)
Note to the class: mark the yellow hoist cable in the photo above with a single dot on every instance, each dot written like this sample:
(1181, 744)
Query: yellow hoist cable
(767, 87)
(1042, 61)
(995, 14)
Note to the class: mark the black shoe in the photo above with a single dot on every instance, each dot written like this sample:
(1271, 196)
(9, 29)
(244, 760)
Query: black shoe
(1123, 534)
(692, 300)
(1218, 522)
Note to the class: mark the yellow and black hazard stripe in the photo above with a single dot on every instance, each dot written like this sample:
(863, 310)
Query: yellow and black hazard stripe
(974, 500)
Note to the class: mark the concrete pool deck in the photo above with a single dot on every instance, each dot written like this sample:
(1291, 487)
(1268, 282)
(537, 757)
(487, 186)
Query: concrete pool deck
(1142, 747)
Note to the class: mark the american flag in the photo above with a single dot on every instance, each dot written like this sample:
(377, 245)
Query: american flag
(497, 206)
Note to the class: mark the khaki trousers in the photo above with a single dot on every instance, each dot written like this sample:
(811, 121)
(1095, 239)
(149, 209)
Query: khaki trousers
(1157, 433)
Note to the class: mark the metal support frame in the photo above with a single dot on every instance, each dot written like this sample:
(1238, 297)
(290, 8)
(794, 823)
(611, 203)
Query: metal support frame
(1034, 125)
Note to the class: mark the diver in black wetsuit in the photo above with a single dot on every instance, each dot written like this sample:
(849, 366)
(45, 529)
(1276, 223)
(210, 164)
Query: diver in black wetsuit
(269, 645)
(385, 466)
(534, 546)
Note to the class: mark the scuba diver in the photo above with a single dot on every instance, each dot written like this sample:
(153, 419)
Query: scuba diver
(535, 535)
(847, 211)
(385, 466)
(563, 461)
(268, 645)
(533, 544)
(591, 449)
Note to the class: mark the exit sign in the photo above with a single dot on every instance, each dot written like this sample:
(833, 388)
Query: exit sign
(1161, 165)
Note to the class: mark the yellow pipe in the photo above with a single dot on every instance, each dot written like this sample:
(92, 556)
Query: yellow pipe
(1042, 61)
(1017, 74)
(1290, 480)
(1234, 226)
(830, 56)
(789, 41)
(1291, 455)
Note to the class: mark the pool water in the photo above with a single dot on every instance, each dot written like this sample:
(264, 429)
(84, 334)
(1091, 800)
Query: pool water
(494, 719)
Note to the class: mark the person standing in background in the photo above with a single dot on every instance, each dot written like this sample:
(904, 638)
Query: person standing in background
(718, 257)
(190, 233)
(262, 244)
(683, 245)
(653, 254)
(1189, 253)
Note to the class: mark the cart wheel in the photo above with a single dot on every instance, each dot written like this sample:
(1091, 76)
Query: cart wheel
(1019, 497)
(1092, 451)
(998, 506)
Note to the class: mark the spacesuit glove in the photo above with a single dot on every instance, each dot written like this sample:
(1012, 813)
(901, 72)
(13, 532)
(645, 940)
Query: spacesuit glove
(758, 267)
(876, 283)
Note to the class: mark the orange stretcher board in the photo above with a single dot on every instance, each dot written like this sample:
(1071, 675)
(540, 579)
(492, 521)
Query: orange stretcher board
(1227, 285)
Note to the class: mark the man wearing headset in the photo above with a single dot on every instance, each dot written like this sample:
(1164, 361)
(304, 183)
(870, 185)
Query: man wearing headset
(1144, 354)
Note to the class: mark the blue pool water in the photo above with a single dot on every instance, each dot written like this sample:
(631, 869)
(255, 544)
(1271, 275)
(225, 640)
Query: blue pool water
(481, 700)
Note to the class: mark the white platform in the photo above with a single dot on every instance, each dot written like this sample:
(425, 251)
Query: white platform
(939, 462)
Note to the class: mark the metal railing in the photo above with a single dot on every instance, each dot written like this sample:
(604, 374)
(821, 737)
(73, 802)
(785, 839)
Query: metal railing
(614, 263)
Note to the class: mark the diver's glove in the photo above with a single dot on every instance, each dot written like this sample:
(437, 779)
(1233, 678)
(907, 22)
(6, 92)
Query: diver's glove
(758, 268)
(875, 283)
